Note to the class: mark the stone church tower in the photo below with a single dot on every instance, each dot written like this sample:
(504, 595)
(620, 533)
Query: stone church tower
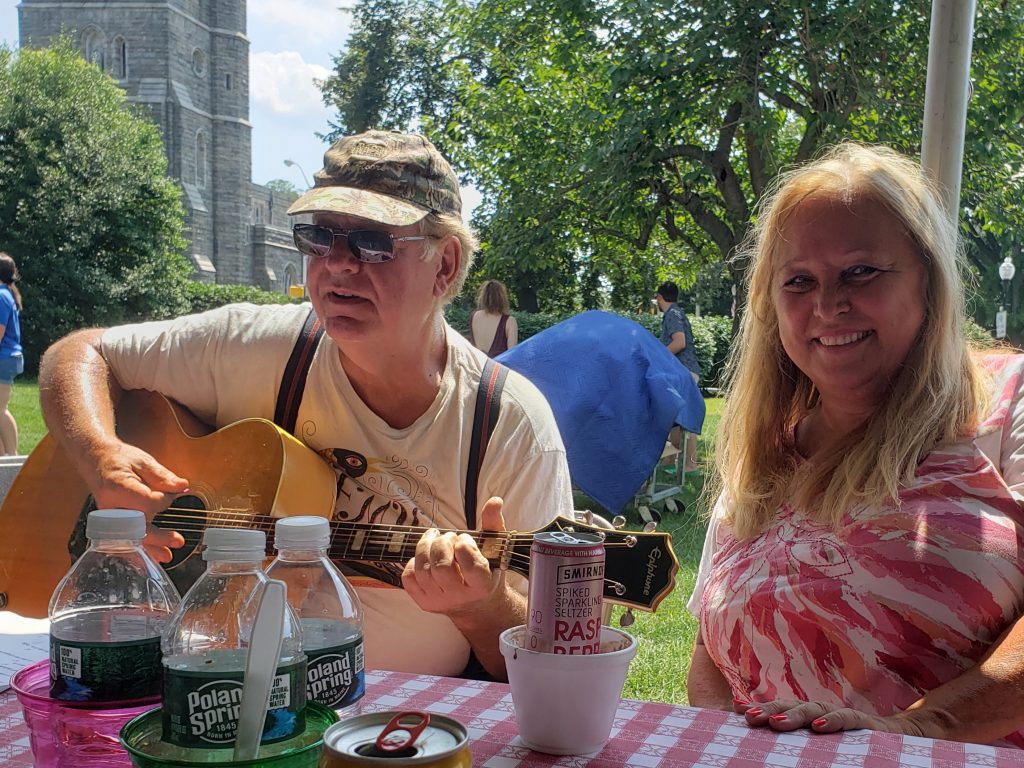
(187, 62)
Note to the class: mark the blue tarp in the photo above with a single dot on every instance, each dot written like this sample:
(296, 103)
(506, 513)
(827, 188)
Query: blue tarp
(616, 391)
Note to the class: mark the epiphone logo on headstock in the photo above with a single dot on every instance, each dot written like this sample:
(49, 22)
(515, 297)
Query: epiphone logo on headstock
(652, 566)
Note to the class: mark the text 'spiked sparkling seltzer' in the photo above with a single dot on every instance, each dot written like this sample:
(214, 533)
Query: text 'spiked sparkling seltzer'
(566, 591)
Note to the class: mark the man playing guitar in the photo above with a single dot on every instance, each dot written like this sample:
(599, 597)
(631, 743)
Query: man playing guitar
(388, 403)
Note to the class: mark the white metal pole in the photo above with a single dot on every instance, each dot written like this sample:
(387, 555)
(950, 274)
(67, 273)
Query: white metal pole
(946, 94)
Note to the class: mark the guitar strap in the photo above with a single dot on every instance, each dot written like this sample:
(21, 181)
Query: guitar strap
(488, 406)
(485, 416)
(295, 373)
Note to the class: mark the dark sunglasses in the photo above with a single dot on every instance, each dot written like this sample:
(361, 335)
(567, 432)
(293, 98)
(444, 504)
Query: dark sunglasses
(371, 246)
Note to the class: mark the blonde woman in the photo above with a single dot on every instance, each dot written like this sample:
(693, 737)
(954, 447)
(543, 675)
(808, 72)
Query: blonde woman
(865, 552)
(491, 326)
(12, 363)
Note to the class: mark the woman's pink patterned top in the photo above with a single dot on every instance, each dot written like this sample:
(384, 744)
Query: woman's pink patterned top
(897, 599)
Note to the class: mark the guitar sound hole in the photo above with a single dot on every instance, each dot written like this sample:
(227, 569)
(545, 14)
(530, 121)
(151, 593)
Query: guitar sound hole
(187, 517)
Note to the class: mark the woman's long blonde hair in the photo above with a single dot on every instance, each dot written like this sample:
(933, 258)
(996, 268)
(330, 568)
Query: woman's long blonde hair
(935, 397)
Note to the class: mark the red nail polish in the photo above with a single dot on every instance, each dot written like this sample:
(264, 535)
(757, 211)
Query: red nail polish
(777, 718)
(755, 711)
(821, 722)
(740, 702)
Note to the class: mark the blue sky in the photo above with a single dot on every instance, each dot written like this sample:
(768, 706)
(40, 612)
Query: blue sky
(291, 45)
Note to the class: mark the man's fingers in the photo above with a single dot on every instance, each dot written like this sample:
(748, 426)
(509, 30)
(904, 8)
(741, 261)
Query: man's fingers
(473, 566)
(160, 539)
(161, 479)
(491, 518)
(158, 553)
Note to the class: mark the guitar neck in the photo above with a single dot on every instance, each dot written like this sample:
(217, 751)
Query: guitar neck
(640, 567)
(365, 542)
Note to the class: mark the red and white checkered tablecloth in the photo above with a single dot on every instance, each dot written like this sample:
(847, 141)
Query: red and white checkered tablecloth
(645, 735)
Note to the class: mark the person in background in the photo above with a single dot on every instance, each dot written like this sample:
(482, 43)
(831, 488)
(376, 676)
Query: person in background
(863, 564)
(388, 404)
(677, 335)
(491, 327)
(12, 362)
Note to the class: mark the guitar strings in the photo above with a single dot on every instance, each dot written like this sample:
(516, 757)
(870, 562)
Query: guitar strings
(374, 535)
(373, 532)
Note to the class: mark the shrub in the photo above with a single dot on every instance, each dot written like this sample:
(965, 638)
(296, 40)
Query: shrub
(204, 296)
(529, 323)
(712, 335)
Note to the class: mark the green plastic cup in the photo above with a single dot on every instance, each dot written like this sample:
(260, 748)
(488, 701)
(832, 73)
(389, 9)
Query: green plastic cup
(141, 737)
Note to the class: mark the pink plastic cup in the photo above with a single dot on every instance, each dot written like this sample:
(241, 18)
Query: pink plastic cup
(65, 734)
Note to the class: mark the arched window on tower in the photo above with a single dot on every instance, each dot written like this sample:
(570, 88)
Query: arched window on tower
(200, 159)
(94, 43)
(291, 280)
(120, 58)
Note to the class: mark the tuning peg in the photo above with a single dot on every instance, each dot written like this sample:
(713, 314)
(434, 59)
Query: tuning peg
(619, 522)
(650, 527)
(627, 618)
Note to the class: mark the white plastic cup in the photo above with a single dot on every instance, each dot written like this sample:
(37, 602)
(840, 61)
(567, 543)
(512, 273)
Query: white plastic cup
(565, 704)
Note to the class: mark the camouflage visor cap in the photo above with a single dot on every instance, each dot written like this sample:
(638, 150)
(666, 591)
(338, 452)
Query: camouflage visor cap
(388, 177)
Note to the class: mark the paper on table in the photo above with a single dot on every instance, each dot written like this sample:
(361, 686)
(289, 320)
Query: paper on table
(22, 642)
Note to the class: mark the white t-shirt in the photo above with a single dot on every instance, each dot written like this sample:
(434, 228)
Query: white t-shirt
(227, 364)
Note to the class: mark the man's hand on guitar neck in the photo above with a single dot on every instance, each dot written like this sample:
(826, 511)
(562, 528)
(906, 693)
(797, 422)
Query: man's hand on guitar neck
(126, 476)
(450, 575)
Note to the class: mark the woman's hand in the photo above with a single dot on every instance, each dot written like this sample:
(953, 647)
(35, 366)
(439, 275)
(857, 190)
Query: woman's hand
(790, 715)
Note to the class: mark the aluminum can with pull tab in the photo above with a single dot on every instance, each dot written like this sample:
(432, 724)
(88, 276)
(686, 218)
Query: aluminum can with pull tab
(398, 739)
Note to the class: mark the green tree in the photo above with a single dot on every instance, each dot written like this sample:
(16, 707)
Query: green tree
(85, 206)
(634, 138)
(282, 185)
(391, 73)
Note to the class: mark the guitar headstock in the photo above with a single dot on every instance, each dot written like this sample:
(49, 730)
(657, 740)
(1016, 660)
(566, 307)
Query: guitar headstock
(640, 567)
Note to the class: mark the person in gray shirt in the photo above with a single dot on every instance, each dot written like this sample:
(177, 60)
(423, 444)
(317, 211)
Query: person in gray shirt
(677, 335)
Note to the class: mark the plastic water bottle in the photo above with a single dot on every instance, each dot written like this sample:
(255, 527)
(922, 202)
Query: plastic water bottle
(328, 610)
(107, 615)
(205, 648)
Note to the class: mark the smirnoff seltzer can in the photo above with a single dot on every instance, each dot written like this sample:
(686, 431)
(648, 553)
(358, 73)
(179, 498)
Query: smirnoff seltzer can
(566, 591)
(436, 741)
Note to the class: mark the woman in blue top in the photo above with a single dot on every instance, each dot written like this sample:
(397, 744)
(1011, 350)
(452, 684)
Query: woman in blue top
(11, 361)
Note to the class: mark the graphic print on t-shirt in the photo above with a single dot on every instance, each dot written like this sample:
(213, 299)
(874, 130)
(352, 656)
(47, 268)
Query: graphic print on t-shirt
(380, 491)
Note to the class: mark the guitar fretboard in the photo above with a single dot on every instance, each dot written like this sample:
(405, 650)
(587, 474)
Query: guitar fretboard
(362, 542)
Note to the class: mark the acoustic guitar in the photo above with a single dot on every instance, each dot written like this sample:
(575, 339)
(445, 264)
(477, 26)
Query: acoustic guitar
(246, 475)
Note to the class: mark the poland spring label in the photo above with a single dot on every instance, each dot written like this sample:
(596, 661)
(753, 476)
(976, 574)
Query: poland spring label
(105, 671)
(200, 709)
(335, 677)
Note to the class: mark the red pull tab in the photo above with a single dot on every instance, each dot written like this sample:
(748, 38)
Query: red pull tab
(391, 739)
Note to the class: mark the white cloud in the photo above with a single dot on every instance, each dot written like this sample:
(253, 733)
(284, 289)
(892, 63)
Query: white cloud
(282, 83)
(301, 23)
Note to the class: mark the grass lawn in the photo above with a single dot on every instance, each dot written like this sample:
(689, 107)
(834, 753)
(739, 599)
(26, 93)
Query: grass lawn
(666, 637)
(25, 407)
(658, 673)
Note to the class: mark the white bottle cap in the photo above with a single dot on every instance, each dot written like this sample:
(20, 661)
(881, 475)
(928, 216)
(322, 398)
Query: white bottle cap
(115, 524)
(302, 532)
(234, 544)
